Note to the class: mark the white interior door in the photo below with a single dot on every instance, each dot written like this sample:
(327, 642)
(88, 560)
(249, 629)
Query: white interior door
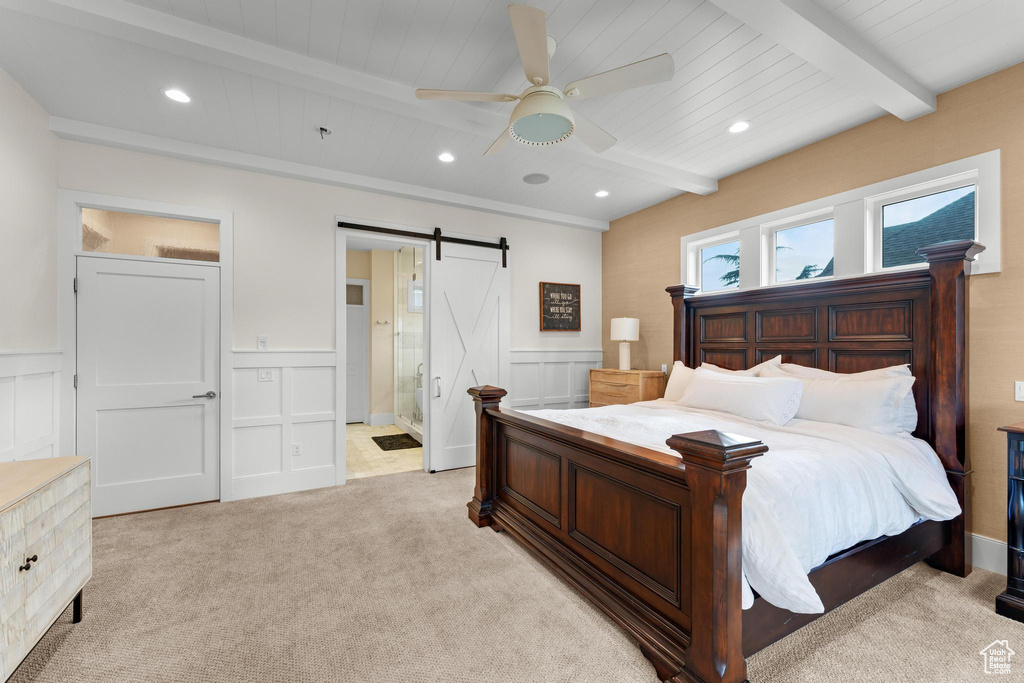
(357, 348)
(148, 370)
(469, 335)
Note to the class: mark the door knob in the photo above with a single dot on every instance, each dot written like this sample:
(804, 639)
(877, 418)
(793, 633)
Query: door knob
(208, 394)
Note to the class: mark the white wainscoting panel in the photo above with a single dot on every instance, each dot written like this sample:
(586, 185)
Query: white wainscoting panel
(29, 405)
(551, 379)
(269, 417)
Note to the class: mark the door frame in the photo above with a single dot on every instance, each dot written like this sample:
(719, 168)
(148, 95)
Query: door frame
(341, 326)
(365, 284)
(69, 247)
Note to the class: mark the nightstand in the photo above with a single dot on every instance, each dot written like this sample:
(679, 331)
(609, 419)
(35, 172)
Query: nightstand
(609, 387)
(1010, 603)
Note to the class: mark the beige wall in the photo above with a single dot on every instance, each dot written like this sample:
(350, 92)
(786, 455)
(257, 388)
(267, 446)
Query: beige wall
(357, 264)
(28, 223)
(641, 251)
(382, 337)
(284, 243)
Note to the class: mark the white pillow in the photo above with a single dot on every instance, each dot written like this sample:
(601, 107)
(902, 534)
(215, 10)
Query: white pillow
(871, 404)
(749, 372)
(678, 380)
(908, 406)
(774, 400)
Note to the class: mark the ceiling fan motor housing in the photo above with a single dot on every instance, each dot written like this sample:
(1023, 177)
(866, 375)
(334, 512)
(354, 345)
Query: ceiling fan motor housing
(541, 118)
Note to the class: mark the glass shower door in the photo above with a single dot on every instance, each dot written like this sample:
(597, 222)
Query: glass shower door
(409, 339)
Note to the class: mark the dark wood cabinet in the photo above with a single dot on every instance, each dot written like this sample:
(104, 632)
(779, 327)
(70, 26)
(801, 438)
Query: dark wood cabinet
(1010, 603)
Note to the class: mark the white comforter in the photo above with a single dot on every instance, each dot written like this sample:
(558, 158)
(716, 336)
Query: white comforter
(820, 488)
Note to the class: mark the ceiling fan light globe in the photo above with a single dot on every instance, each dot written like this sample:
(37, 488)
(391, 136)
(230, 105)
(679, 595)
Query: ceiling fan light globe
(541, 118)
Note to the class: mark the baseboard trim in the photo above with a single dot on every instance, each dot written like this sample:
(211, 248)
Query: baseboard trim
(989, 554)
(381, 419)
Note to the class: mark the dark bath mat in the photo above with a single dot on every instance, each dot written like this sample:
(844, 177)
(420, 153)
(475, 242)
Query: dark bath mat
(396, 442)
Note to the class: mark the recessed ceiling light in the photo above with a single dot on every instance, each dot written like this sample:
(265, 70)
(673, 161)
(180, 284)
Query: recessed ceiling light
(536, 178)
(739, 126)
(446, 157)
(601, 193)
(177, 95)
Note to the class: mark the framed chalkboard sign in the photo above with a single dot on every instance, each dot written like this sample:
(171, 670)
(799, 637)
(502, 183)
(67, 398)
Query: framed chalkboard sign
(559, 307)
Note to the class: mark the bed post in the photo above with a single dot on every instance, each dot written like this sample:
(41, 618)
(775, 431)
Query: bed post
(716, 474)
(680, 350)
(484, 398)
(949, 264)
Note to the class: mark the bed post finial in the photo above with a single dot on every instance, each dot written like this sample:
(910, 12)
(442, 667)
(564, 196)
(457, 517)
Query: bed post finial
(716, 474)
(949, 264)
(680, 346)
(484, 398)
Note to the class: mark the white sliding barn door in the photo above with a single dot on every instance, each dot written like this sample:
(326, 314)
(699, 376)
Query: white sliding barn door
(469, 337)
(148, 382)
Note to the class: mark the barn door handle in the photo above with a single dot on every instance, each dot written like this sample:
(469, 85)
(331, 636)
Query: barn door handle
(438, 394)
(208, 394)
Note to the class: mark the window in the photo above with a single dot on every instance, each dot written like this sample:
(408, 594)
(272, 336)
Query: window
(804, 251)
(133, 234)
(720, 266)
(913, 223)
(869, 229)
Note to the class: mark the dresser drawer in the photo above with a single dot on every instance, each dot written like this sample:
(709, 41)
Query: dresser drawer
(608, 392)
(12, 590)
(58, 531)
(614, 377)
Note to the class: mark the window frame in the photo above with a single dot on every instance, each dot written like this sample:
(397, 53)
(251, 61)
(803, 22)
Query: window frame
(875, 204)
(856, 227)
(769, 251)
(714, 241)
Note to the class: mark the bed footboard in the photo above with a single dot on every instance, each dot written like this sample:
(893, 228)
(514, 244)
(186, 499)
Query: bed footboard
(652, 541)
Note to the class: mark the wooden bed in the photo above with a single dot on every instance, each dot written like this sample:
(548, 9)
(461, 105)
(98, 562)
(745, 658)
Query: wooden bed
(655, 541)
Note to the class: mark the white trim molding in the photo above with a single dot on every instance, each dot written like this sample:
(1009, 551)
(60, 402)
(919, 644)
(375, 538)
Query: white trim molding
(552, 378)
(989, 554)
(29, 405)
(856, 225)
(283, 400)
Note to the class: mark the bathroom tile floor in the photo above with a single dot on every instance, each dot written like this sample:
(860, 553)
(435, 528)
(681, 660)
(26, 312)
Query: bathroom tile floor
(366, 459)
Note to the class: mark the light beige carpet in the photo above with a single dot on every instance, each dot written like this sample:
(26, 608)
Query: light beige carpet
(386, 579)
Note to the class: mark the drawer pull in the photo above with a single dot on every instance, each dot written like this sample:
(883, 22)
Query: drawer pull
(28, 563)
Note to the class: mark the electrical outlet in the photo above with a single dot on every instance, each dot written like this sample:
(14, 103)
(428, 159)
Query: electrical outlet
(265, 375)
(1018, 391)
(261, 344)
(296, 449)
(664, 368)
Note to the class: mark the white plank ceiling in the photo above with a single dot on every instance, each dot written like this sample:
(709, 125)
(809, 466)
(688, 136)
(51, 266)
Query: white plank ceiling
(726, 71)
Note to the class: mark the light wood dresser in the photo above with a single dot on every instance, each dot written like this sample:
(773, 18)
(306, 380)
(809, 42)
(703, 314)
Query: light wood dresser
(45, 549)
(609, 387)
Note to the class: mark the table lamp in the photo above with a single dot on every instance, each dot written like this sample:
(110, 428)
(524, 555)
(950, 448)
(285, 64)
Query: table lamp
(625, 330)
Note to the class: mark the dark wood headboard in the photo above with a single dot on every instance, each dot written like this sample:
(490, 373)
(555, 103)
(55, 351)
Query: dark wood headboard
(850, 325)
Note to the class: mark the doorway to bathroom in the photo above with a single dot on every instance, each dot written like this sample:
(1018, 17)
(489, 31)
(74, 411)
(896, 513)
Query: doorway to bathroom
(384, 296)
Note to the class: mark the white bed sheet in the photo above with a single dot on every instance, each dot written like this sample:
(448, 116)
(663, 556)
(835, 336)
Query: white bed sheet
(821, 488)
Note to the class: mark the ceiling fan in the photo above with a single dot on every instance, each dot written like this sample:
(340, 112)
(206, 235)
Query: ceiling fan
(543, 116)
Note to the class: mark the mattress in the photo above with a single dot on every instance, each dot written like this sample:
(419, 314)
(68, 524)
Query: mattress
(821, 488)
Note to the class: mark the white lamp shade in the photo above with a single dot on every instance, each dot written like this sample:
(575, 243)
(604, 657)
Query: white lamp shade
(625, 329)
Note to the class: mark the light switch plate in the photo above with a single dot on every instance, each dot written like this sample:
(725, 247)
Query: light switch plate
(261, 344)
(265, 375)
(1018, 391)
(664, 368)
(296, 449)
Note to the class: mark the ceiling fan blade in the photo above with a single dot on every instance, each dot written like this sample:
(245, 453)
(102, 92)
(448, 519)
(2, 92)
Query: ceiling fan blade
(498, 144)
(530, 27)
(464, 96)
(592, 135)
(645, 72)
